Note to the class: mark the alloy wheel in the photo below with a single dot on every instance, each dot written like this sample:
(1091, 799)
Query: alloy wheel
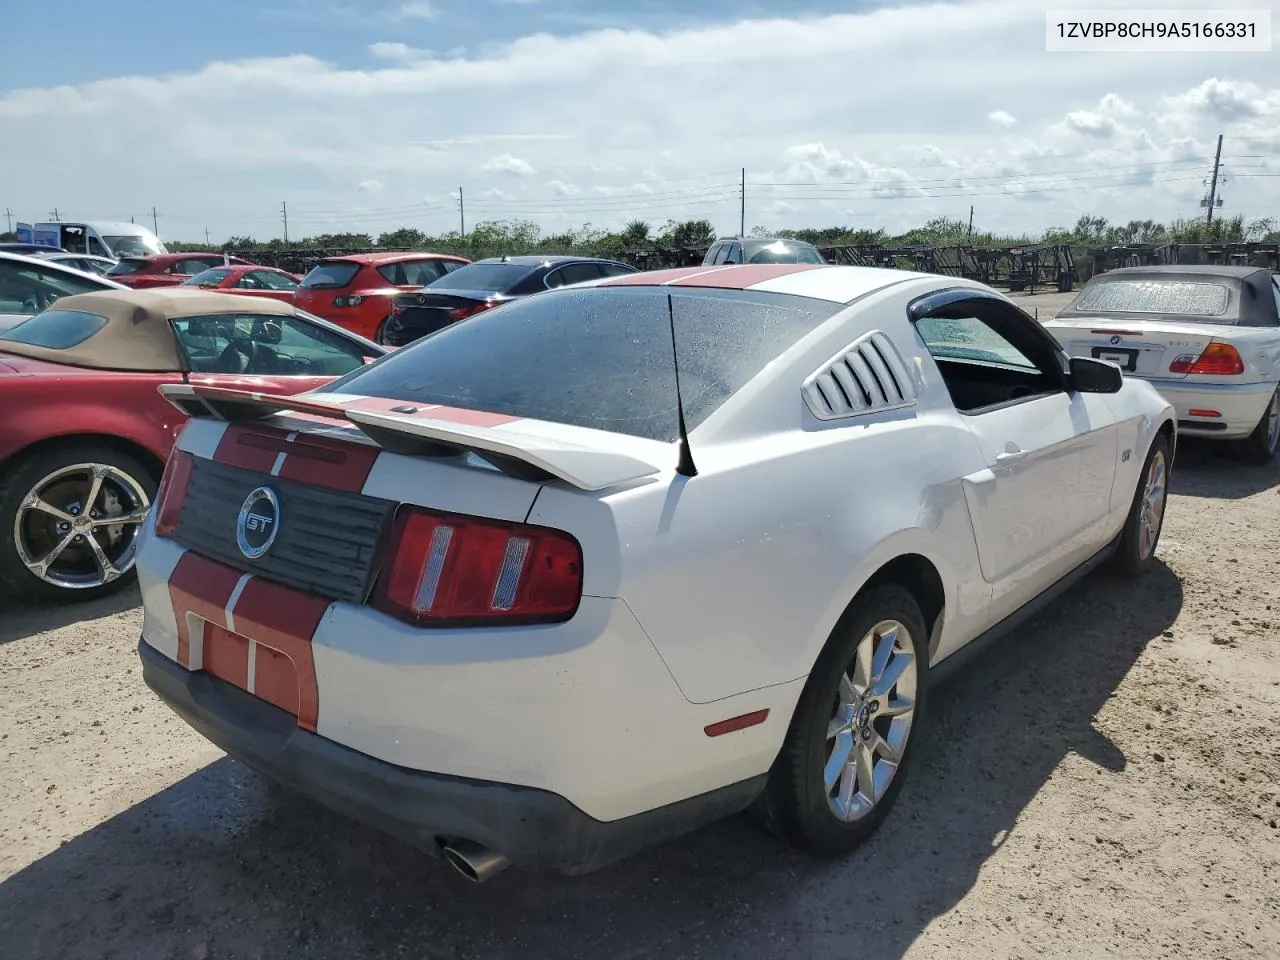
(77, 528)
(871, 721)
(1154, 495)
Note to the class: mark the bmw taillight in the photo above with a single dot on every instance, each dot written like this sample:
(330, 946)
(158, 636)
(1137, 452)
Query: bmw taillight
(452, 570)
(1218, 359)
(172, 492)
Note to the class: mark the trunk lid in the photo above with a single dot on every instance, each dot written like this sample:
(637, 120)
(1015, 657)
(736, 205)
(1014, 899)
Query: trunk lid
(1142, 348)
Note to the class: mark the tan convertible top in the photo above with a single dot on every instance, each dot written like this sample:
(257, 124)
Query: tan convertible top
(137, 335)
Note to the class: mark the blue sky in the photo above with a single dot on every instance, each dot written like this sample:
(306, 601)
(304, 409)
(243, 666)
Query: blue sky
(369, 115)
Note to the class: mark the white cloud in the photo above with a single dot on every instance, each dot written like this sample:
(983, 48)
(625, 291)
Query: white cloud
(619, 148)
(370, 186)
(384, 50)
(506, 163)
(412, 10)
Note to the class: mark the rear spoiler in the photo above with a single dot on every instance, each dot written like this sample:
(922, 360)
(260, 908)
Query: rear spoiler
(526, 449)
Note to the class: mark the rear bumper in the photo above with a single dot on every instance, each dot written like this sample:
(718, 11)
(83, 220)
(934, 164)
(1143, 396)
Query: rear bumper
(536, 829)
(1239, 406)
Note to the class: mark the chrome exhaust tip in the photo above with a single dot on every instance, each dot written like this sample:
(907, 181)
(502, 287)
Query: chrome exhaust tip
(473, 861)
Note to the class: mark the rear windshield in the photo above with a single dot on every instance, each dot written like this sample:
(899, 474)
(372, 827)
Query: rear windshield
(331, 276)
(208, 278)
(127, 266)
(1184, 298)
(56, 329)
(495, 277)
(597, 357)
(781, 251)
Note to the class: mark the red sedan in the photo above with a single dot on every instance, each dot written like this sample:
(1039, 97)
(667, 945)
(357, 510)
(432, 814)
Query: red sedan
(166, 269)
(79, 467)
(248, 281)
(356, 291)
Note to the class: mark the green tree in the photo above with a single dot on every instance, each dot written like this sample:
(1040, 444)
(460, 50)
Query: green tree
(403, 237)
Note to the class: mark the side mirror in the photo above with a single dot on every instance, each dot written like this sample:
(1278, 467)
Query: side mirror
(1095, 376)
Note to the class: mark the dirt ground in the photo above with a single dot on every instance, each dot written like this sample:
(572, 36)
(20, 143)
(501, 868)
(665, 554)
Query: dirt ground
(1104, 783)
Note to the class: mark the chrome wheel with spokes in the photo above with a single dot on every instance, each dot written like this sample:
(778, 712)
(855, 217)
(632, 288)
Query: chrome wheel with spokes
(1154, 497)
(75, 514)
(868, 731)
(848, 748)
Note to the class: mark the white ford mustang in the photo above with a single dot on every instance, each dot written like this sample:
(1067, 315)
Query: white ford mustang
(1206, 337)
(603, 565)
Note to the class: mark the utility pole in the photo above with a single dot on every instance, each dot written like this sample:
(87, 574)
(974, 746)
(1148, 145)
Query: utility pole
(462, 215)
(206, 236)
(1213, 185)
(54, 214)
(155, 222)
(742, 210)
(8, 215)
(284, 212)
(968, 237)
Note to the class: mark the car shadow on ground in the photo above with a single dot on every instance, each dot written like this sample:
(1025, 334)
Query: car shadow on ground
(1203, 468)
(19, 619)
(221, 864)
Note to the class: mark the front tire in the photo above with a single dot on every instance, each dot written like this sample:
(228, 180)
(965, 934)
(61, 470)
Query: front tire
(846, 752)
(1261, 445)
(69, 522)
(1135, 554)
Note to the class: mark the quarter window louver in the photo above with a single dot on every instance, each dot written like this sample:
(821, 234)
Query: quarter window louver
(867, 377)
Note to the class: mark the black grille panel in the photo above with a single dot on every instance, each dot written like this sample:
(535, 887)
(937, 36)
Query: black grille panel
(327, 542)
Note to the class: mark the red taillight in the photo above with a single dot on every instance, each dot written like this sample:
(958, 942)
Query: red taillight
(452, 570)
(470, 310)
(173, 490)
(1218, 359)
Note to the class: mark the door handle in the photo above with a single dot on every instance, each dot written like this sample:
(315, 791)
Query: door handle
(1011, 456)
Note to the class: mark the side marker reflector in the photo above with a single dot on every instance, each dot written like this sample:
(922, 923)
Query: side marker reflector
(735, 723)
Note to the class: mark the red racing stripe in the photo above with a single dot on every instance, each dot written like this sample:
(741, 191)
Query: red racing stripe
(202, 587)
(283, 620)
(307, 458)
(653, 278)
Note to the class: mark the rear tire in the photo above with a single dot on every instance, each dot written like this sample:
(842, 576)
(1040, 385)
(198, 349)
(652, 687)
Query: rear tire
(846, 752)
(1261, 445)
(1135, 554)
(62, 481)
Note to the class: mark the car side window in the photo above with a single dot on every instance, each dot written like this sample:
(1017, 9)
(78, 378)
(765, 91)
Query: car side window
(26, 288)
(191, 267)
(733, 254)
(717, 254)
(271, 280)
(614, 269)
(1275, 289)
(96, 248)
(578, 272)
(989, 353)
(265, 345)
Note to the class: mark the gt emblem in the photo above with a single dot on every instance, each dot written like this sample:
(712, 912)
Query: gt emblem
(1124, 457)
(1114, 341)
(258, 523)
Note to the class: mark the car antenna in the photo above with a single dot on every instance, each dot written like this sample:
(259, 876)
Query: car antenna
(684, 466)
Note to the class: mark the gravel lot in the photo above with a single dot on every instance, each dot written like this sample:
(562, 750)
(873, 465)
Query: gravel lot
(1105, 783)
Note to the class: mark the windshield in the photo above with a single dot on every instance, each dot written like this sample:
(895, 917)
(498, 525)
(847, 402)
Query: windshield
(127, 266)
(208, 278)
(781, 251)
(597, 357)
(331, 276)
(133, 246)
(490, 277)
(1184, 298)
